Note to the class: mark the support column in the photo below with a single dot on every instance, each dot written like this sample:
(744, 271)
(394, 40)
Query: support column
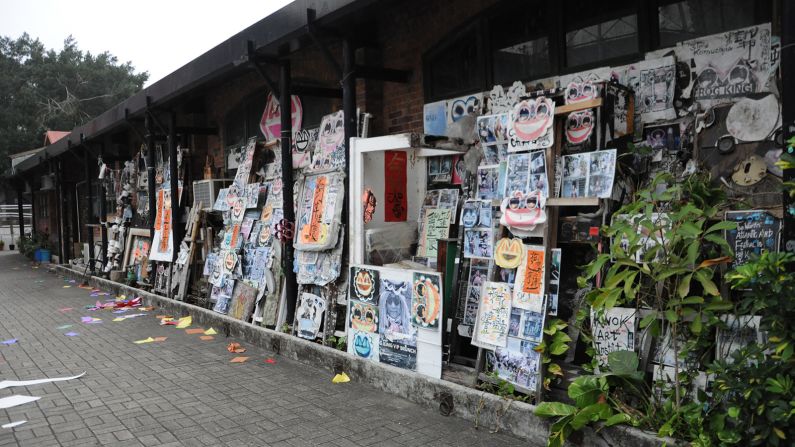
(59, 211)
(285, 102)
(89, 208)
(176, 210)
(150, 172)
(103, 214)
(20, 213)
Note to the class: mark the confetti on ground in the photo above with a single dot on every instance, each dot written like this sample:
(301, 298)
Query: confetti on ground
(65, 326)
(14, 424)
(235, 347)
(65, 309)
(341, 378)
(238, 360)
(91, 320)
(71, 334)
(13, 401)
(10, 341)
(194, 331)
(146, 340)
(184, 322)
(206, 337)
(146, 309)
(161, 338)
(66, 287)
(210, 331)
(270, 361)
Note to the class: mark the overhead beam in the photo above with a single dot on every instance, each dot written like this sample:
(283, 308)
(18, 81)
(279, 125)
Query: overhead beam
(314, 34)
(255, 59)
(382, 74)
(318, 92)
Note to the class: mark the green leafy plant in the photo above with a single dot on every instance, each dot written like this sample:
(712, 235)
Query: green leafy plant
(338, 343)
(597, 398)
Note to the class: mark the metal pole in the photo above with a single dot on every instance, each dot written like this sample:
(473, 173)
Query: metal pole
(59, 212)
(787, 11)
(89, 209)
(176, 210)
(285, 102)
(150, 172)
(20, 214)
(103, 215)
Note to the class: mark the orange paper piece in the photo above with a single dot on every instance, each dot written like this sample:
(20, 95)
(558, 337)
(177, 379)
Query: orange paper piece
(146, 309)
(160, 338)
(207, 337)
(235, 347)
(194, 331)
(238, 360)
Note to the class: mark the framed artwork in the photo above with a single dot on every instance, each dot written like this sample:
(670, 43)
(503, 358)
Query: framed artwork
(137, 246)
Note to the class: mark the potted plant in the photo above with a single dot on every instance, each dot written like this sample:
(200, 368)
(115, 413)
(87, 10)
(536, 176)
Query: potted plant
(2, 244)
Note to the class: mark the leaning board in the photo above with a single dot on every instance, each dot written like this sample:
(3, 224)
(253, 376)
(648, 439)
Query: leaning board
(395, 317)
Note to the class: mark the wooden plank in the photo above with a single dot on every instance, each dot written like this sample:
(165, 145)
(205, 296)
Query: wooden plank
(573, 201)
(568, 108)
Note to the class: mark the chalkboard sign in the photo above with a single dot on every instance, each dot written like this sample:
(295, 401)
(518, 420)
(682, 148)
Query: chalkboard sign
(756, 231)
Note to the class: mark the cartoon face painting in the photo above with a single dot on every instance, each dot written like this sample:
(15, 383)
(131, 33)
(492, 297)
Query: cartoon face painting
(332, 132)
(579, 91)
(364, 317)
(523, 211)
(462, 107)
(579, 126)
(532, 118)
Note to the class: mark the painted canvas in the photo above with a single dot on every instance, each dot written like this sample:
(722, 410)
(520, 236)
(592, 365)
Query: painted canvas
(493, 317)
(309, 315)
(243, 299)
(426, 301)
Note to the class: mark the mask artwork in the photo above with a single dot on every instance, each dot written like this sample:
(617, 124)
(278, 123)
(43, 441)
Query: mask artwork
(364, 317)
(523, 213)
(530, 124)
(580, 91)
(579, 126)
(330, 149)
(365, 285)
(426, 301)
(363, 344)
(508, 253)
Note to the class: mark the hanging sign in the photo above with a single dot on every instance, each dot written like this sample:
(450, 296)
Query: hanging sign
(271, 122)
(395, 186)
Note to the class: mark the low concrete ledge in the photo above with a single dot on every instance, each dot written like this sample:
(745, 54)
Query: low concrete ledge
(486, 410)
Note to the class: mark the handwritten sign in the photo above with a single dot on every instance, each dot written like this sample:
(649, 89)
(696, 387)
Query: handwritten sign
(756, 231)
(436, 226)
(395, 186)
(494, 314)
(529, 290)
(613, 331)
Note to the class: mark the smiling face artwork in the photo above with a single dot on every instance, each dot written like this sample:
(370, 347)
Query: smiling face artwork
(330, 149)
(531, 124)
(579, 126)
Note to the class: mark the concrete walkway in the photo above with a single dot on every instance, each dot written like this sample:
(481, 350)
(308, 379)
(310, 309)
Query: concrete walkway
(182, 391)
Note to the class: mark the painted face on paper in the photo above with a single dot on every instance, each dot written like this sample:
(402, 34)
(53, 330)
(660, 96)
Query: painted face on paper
(364, 283)
(364, 317)
(579, 126)
(230, 260)
(524, 211)
(362, 345)
(532, 118)
(463, 107)
(332, 132)
(580, 91)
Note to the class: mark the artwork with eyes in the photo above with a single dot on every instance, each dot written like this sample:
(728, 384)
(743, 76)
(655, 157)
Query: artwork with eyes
(727, 65)
(530, 124)
(330, 148)
(579, 126)
(654, 83)
(580, 90)
(458, 108)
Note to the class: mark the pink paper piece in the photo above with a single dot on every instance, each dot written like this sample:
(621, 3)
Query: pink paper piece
(86, 319)
(65, 309)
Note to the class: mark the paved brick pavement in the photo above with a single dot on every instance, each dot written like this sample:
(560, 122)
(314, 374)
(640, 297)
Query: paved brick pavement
(182, 391)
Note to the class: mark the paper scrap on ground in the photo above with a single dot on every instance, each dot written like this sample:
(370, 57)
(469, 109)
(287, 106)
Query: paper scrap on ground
(65, 326)
(71, 334)
(66, 287)
(341, 378)
(194, 331)
(65, 309)
(91, 320)
(184, 322)
(160, 338)
(238, 360)
(10, 383)
(146, 309)
(13, 424)
(270, 360)
(10, 341)
(146, 340)
(13, 401)
(235, 347)
(207, 337)
(210, 331)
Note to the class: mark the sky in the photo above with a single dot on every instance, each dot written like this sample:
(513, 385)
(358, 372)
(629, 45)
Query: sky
(156, 36)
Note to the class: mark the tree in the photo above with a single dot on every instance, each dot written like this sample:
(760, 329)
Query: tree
(44, 90)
